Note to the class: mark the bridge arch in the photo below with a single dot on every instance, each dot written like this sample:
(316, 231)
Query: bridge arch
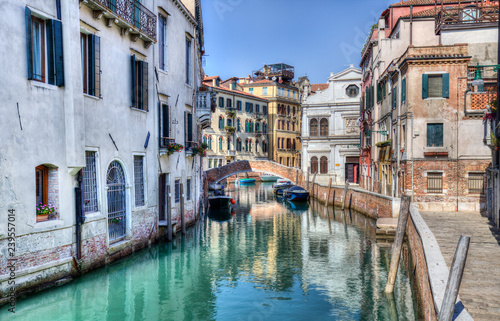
(217, 174)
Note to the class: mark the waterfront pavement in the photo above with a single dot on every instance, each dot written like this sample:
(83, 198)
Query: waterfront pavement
(480, 287)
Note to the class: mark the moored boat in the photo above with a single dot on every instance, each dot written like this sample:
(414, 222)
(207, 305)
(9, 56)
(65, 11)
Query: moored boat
(281, 185)
(216, 197)
(268, 178)
(246, 180)
(296, 193)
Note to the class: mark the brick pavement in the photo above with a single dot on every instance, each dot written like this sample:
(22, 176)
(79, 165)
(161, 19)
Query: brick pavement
(480, 288)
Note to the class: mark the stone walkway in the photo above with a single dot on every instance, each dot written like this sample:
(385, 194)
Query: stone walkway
(480, 288)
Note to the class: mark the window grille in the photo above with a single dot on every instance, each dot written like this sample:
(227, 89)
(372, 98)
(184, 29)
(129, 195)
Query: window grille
(90, 183)
(476, 183)
(139, 180)
(178, 190)
(435, 183)
(188, 189)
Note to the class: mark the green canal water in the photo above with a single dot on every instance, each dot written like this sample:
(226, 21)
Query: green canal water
(270, 261)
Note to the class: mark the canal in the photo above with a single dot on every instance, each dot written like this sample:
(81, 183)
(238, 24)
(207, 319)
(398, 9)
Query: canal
(270, 261)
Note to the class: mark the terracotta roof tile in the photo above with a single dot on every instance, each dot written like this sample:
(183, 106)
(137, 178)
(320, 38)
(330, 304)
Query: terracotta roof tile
(426, 2)
(238, 92)
(317, 87)
(210, 78)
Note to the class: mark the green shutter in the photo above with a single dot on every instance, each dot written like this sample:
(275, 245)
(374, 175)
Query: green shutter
(133, 80)
(166, 121)
(145, 74)
(425, 86)
(403, 90)
(190, 127)
(446, 85)
(51, 68)
(29, 44)
(394, 97)
(185, 129)
(58, 52)
(91, 65)
(96, 43)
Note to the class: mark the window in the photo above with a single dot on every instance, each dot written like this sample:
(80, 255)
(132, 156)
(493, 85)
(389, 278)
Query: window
(293, 126)
(188, 61)
(264, 147)
(139, 84)
(435, 86)
(434, 135)
(210, 142)
(264, 91)
(287, 125)
(139, 180)
(221, 102)
(42, 183)
(177, 190)
(395, 97)
(403, 90)
(257, 108)
(476, 183)
(90, 46)
(229, 122)
(314, 165)
(323, 127)
(210, 163)
(352, 91)
(229, 103)
(323, 168)
(238, 145)
(264, 128)
(221, 122)
(89, 176)
(188, 127)
(313, 127)
(46, 190)
(229, 143)
(288, 92)
(238, 105)
(264, 110)
(162, 41)
(251, 90)
(294, 95)
(164, 120)
(435, 183)
(188, 189)
(44, 49)
(220, 142)
(238, 125)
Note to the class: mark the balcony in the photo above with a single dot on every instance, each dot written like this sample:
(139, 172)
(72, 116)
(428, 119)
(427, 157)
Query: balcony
(190, 147)
(259, 116)
(466, 18)
(130, 15)
(230, 153)
(165, 141)
(277, 71)
(205, 106)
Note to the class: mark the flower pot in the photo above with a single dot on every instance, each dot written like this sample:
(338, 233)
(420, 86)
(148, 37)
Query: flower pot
(42, 218)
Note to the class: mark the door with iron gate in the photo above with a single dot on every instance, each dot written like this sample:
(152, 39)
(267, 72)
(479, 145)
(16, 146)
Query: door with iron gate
(117, 212)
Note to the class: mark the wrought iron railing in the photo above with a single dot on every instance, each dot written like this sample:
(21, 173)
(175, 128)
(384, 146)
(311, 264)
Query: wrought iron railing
(190, 146)
(132, 12)
(464, 15)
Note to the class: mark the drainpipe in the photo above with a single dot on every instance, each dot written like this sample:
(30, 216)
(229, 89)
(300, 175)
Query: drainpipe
(412, 165)
(465, 113)
(398, 135)
(411, 25)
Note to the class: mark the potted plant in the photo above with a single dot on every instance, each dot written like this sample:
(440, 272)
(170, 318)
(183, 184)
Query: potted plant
(174, 147)
(230, 129)
(230, 113)
(117, 219)
(43, 211)
(491, 111)
(200, 151)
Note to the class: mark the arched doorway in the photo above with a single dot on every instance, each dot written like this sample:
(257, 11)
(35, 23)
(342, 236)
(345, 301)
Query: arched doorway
(115, 182)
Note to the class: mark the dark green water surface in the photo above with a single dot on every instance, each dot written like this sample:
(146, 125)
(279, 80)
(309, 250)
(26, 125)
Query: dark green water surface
(270, 261)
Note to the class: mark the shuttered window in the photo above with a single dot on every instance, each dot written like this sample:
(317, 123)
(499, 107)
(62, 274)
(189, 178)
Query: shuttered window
(323, 127)
(314, 165)
(44, 46)
(188, 61)
(89, 173)
(188, 189)
(434, 135)
(221, 102)
(162, 41)
(435, 86)
(177, 190)
(395, 97)
(238, 105)
(164, 124)
(403, 90)
(139, 180)
(90, 46)
(139, 75)
(313, 127)
(324, 165)
(229, 103)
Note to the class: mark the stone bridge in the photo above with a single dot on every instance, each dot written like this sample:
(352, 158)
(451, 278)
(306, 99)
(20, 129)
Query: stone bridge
(217, 174)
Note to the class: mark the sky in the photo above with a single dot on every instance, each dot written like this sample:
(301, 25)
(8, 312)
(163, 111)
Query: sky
(317, 37)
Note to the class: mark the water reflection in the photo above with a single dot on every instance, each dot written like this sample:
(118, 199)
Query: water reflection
(270, 261)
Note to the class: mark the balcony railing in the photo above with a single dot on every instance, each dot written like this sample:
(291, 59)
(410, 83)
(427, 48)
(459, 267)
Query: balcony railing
(460, 17)
(130, 14)
(230, 153)
(165, 141)
(190, 146)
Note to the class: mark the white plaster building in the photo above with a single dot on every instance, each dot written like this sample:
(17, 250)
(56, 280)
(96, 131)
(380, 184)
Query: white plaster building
(330, 130)
(87, 86)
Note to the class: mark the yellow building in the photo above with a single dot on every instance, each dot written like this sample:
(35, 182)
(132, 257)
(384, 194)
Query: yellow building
(275, 83)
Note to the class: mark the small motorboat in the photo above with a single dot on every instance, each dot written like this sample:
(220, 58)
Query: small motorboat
(246, 180)
(281, 185)
(216, 197)
(268, 178)
(220, 214)
(296, 193)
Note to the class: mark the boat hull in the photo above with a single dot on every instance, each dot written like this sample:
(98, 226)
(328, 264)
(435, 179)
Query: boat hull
(246, 180)
(297, 197)
(219, 201)
(269, 178)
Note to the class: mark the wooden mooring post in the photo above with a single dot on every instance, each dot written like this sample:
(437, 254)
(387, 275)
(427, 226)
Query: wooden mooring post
(454, 279)
(333, 201)
(312, 188)
(345, 194)
(307, 180)
(169, 214)
(350, 201)
(398, 243)
(329, 190)
(183, 220)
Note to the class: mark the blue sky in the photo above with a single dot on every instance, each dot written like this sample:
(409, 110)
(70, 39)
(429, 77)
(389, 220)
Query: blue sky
(315, 36)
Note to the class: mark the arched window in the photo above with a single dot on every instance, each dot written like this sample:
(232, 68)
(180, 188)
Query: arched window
(257, 127)
(314, 165)
(205, 140)
(257, 146)
(293, 110)
(250, 145)
(279, 141)
(238, 145)
(313, 127)
(229, 143)
(288, 110)
(288, 143)
(287, 125)
(209, 142)
(323, 126)
(279, 124)
(250, 126)
(293, 126)
(323, 165)
(264, 146)
(220, 142)
(238, 125)
(264, 128)
(293, 144)
(246, 126)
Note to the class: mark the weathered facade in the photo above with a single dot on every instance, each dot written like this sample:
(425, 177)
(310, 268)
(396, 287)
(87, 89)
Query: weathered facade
(330, 130)
(82, 133)
(238, 127)
(417, 108)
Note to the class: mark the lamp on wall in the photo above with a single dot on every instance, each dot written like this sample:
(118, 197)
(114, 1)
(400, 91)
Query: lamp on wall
(478, 82)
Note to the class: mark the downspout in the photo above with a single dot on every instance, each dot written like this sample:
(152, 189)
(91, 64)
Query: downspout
(398, 135)
(412, 162)
(465, 113)
(411, 25)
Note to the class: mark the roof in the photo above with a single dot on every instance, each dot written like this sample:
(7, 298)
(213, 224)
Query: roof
(263, 81)
(426, 2)
(421, 14)
(237, 92)
(316, 87)
(210, 78)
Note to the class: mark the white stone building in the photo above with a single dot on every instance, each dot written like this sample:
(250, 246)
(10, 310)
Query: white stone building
(86, 88)
(330, 130)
